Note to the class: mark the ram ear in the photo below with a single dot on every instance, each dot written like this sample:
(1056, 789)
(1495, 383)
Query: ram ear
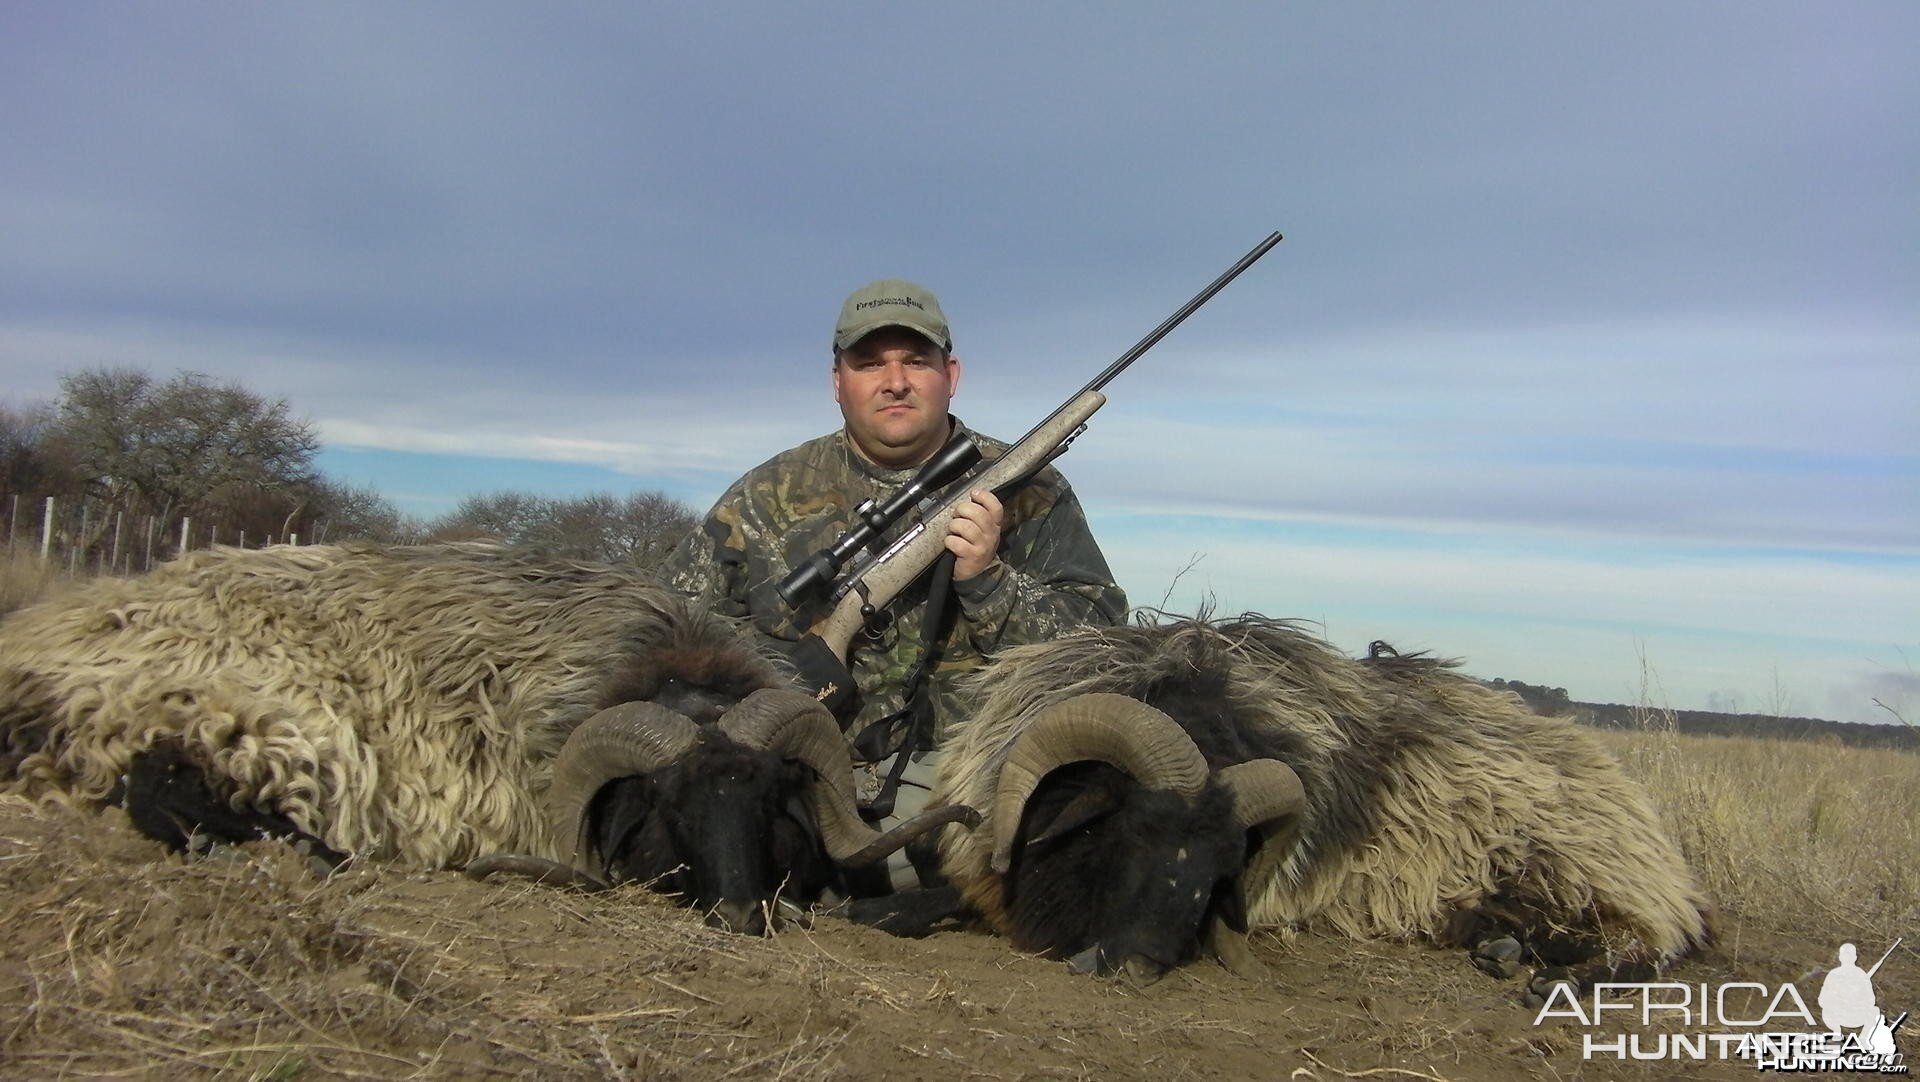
(1229, 904)
(616, 813)
(793, 837)
(1091, 804)
(799, 808)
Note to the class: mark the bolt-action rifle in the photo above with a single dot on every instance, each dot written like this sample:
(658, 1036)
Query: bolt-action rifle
(871, 581)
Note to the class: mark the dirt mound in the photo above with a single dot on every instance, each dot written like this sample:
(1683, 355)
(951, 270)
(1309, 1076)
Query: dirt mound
(123, 961)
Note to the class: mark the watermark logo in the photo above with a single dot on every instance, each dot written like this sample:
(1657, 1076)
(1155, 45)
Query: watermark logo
(1772, 1027)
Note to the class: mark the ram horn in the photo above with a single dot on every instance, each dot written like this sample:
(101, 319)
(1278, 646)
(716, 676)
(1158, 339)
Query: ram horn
(1123, 732)
(632, 738)
(1267, 799)
(1232, 951)
(796, 726)
(539, 869)
(1263, 790)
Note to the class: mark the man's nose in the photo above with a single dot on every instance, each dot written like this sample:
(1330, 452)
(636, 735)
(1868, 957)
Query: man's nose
(895, 378)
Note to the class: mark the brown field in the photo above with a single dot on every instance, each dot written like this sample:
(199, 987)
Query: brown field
(122, 961)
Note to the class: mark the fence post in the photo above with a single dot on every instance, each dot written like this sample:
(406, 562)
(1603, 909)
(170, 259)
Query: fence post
(46, 532)
(86, 520)
(185, 537)
(119, 523)
(293, 539)
(13, 521)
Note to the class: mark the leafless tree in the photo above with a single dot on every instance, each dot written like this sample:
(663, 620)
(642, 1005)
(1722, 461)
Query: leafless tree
(639, 528)
(513, 517)
(169, 448)
(340, 512)
(32, 459)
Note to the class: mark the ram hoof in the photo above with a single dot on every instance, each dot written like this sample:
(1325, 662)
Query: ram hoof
(1498, 957)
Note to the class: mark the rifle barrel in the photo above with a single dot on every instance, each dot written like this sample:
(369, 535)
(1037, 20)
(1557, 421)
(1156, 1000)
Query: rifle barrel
(1187, 309)
(1884, 957)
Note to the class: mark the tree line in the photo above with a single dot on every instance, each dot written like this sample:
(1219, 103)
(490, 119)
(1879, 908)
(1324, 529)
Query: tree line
(129, 460)
(1555, 702)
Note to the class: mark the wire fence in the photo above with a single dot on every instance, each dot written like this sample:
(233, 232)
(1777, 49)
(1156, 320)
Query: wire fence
(78, 536)
(85, 537)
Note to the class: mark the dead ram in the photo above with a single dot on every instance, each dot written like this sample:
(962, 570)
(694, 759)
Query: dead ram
(431, 706)
(1152, 791)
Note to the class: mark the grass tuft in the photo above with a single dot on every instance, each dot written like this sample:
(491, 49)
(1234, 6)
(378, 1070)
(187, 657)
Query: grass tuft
(24, 579)
(1790, 832)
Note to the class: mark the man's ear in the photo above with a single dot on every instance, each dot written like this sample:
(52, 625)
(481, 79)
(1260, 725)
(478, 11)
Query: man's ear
(834, 377)
(953, 375)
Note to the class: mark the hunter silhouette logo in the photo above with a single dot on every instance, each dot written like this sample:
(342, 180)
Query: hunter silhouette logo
(1848, 1007)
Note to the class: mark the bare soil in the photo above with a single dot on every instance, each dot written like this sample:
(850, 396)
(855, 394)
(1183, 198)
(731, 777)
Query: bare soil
(121, 960)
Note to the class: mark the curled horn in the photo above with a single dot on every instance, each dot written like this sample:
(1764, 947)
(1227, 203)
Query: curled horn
(1126, 733)
(632, 738)
(1267, 797)
(796, 726)
(907, 830)
(1263, 790)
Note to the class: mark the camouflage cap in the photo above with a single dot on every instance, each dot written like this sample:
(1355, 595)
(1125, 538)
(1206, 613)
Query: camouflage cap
(891, 302)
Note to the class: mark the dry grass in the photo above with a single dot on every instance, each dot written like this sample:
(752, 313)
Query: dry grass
(249, 967)
(1791, 834)
(24, 579)
(122, 963)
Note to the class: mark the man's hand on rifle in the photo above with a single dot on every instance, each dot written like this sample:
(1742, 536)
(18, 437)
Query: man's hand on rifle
(974, 537)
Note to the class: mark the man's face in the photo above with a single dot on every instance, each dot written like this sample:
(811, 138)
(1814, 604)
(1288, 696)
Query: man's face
(893, 387)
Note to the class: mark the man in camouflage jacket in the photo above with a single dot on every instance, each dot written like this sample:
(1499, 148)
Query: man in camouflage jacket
(1025, 570)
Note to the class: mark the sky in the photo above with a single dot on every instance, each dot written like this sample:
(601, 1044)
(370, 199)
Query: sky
(1591, 358)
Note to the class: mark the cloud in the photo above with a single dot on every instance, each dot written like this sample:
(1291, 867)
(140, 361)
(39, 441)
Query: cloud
(1278, 565)
(1590, 616)
(399, 397)
(1893, 689)
(1428, 454)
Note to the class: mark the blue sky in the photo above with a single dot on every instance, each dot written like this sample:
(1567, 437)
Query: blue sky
(1590, 357)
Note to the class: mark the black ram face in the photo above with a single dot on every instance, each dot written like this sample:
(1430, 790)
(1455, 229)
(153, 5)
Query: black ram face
(1115, 877)
(727, 829)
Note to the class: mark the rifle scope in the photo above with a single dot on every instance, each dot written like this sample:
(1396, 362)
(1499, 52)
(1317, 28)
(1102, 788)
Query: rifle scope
(818, 570)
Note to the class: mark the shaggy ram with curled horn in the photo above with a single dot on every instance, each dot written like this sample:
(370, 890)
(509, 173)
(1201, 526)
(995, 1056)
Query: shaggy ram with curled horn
(1155, 790)
(425, 705)
(639, 786)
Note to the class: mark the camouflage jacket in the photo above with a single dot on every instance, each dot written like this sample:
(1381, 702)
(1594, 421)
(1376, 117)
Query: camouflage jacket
(1051, 577)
